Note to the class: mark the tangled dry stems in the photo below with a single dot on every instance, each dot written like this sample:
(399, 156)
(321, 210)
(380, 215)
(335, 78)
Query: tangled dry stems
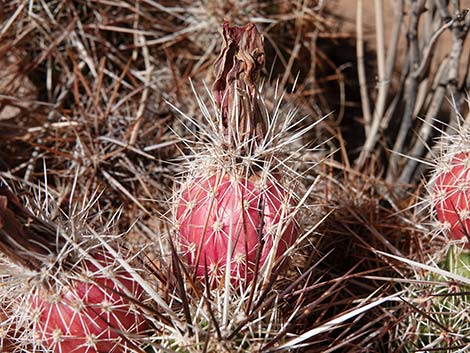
(85, 94)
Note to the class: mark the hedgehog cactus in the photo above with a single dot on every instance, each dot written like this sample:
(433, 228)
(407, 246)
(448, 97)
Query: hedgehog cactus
(63, 303)
(438, 298)
(234, 215)
(437, 319)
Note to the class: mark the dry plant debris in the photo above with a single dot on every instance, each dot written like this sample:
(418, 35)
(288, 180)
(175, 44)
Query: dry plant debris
(107, 116)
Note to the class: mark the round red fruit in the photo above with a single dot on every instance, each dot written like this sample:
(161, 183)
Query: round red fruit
(219, 213)
(452, 189)
(88, 316)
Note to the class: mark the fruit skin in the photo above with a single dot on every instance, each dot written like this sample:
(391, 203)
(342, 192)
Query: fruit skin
(88, 316)
(452, 190)
(218, 209)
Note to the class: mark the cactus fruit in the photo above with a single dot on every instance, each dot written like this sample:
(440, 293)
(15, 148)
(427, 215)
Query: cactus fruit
(245, 217)
(452, 190)
(234, 213)
(62, 295)
(89, 314)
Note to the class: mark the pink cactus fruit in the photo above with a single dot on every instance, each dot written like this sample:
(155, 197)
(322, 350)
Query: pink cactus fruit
(218, 214)
(452, 190)
(89, 315)
(75, 306)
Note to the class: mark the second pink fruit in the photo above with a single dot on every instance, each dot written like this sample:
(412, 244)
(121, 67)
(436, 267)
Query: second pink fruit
(452, 189)
(89, 316)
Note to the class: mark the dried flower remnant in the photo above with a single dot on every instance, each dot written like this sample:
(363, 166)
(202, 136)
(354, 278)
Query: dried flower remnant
(235, 89)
